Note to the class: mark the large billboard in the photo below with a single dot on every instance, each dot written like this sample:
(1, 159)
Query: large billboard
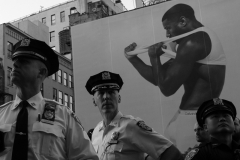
(169, 106)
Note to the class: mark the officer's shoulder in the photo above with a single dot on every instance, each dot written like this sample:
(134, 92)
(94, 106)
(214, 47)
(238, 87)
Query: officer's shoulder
(201, 147)
(6, 104)
(137, 122)
(53, 103)
(192, 153)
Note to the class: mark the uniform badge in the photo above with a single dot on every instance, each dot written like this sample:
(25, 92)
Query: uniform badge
(142, 125)
(191, 154)
(25, 42)
(106, 75)
(48, 115)
(217, 101)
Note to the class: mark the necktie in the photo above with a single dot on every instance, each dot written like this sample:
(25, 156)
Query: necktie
(20, 146)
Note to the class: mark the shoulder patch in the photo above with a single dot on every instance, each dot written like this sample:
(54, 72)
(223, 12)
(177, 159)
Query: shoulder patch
(143, 126)
(6, 104)
(191, 154)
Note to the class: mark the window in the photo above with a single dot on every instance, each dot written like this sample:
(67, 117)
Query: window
(53, 19)
(65, 79)
(62, 16)
(9, 82)
(9, 49)
(70, 83)
(44, 20)
(55, 94)
(41, 89)
(52, 36)
(66, 100)
(60, 97)
(73, 10)
(71, 102)
(54, 76)
(59, 76)
(53, 47)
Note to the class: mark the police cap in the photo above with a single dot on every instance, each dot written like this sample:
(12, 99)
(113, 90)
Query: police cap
(214, 105)
(39, 50)
(104, 80)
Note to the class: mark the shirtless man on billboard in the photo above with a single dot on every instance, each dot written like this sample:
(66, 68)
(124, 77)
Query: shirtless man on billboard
(199, 66)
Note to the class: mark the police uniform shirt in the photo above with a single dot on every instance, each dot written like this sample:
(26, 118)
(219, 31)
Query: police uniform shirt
(63, 138)
(127, 138)
(214, 151)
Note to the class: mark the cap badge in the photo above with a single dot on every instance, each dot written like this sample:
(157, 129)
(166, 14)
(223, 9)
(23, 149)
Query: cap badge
(217, 101)
(106, 75)
(25, 42)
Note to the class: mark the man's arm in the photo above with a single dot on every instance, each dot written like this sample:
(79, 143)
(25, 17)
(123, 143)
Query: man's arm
(78, 145)
(144, 70)
(169, 79)
(171, 153)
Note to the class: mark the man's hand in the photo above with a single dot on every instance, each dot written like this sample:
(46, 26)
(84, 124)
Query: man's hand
(155, 50)
(129, 48)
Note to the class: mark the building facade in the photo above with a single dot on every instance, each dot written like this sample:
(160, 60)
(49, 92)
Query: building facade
(57, 17)
(58, 86)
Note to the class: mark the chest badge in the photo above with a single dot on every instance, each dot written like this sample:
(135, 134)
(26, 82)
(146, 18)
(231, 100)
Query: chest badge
(48, 115)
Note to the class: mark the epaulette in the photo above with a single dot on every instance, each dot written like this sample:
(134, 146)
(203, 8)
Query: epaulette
(128, 116)
(52, 102)
(6, 104)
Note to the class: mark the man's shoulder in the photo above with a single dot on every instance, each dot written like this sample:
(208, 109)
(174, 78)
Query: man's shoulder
(136, 122)
(6, 104)
(199, 151)
(52, 102)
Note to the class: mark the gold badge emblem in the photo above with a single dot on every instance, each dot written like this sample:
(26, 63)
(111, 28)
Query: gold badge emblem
(217, 101)
(25, 42)
(106, 75)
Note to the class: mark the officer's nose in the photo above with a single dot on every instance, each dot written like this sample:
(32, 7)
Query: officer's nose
(222, 119)
(106, 95)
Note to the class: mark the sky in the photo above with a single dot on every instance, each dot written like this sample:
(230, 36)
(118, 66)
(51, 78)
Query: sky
(15, 9)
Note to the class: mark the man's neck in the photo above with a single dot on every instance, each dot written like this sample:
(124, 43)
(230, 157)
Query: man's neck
(108, 117)
(224, 139)
(24, 93)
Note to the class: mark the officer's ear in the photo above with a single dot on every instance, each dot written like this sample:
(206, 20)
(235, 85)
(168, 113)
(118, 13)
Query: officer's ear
(43, 72)
(183, 21)
(94, 103)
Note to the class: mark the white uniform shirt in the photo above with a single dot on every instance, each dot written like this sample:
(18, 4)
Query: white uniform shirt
(127, 138)
(64, 139)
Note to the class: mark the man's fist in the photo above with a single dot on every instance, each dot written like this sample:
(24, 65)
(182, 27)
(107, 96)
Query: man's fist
(130, 48)
(156, 50)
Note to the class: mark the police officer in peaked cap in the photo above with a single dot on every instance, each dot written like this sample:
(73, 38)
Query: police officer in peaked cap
(216, 116)
(120, 136)
(33, 127)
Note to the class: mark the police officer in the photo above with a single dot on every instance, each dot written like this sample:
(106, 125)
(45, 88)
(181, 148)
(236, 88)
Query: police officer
(216, 117)
(201, 135)
(123, 137)
(236, 135)
(36, 128)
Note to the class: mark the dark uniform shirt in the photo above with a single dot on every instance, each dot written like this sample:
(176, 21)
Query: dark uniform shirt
(214, 151)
